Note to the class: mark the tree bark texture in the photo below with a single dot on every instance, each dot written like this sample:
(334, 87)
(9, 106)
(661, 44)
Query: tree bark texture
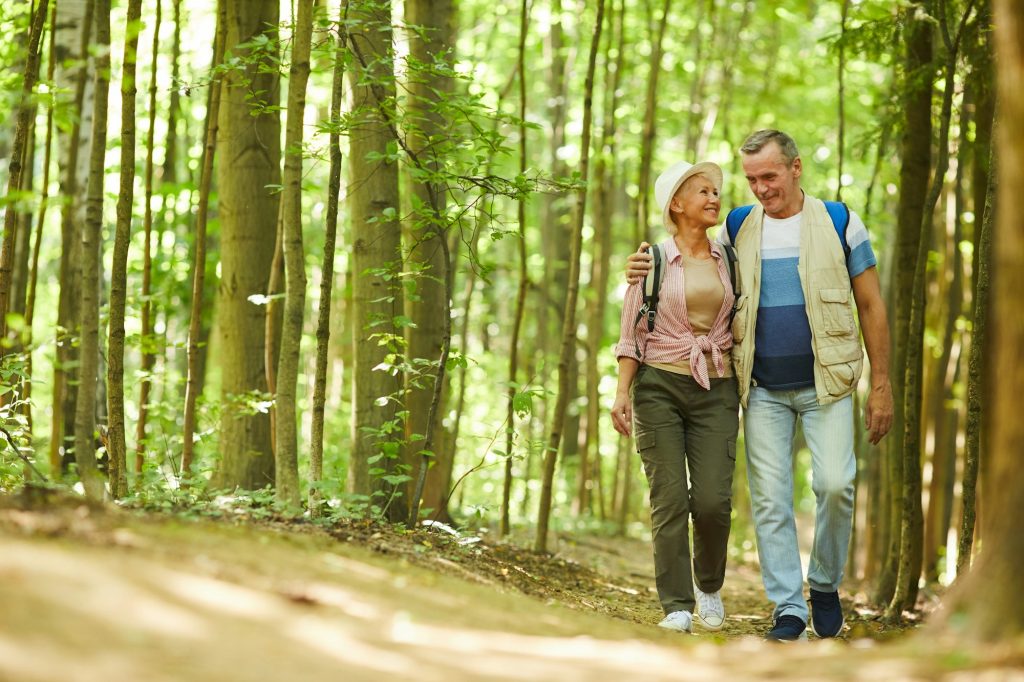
(287, 467)
(376, 243)
(85, 408)
(119, 270)
(431, 41)
(249, 147)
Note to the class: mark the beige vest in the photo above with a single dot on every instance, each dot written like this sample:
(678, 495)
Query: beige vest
(825, 280)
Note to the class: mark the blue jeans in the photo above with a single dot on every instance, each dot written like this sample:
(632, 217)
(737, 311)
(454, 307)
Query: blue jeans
(770, 424)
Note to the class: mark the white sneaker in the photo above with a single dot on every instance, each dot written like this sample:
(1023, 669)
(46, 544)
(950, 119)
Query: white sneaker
(680, 621)
(710, 609)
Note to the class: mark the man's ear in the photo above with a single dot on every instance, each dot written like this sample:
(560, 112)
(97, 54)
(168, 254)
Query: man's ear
(798, 167)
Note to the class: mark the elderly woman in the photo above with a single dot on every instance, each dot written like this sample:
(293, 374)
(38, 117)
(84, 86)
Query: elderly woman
(677, 392)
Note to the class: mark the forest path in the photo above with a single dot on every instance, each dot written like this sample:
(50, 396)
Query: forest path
(109, 595)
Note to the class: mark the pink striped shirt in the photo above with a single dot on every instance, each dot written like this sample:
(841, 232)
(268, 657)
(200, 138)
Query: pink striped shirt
(673, 339)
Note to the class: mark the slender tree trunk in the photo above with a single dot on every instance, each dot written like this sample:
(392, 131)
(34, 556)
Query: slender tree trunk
(119, 270)
(983, 173)
(569, 326)
(287, 470)
(376, 242)
(590, 453)
(33, 276)
(271, 321)
(914, 172)
(517, 323)
(249, 145)
(323, 322)
(148, 343)
(85, 410)
(26, 112)
(979, 342)
(73, 20)
(650, 119)
(213, 100)
(945, 417)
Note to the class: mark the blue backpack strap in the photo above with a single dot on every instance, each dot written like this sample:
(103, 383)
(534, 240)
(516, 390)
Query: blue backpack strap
(837, 211)
(840, 215)
(735, 219)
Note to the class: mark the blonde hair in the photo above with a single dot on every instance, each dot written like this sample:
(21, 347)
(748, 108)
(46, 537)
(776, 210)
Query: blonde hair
(672, 231)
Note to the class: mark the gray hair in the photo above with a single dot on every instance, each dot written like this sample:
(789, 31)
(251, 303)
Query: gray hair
(756, 142)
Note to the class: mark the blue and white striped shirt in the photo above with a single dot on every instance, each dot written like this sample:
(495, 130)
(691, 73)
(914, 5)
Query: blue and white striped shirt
(783, 358)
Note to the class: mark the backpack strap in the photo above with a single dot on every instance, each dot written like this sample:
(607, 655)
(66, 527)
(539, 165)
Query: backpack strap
(734, 219)
(839, 212)
(732, 265)
(652, 286)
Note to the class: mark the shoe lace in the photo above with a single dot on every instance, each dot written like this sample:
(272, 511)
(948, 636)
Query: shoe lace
(709, 603)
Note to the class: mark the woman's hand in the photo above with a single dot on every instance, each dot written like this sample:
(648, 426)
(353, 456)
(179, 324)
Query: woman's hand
(638, 264)
(622, 413)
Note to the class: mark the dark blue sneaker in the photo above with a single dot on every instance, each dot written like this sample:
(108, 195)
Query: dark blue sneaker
(787, 629)
(826, 613)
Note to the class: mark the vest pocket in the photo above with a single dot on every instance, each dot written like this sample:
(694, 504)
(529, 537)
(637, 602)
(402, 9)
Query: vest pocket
(836, 316)
(739, 320)
(841, 366)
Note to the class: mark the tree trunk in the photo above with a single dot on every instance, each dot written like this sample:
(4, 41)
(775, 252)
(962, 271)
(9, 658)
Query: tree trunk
(650, 120)
(72, 35)
(323, 322)
(569, 327)
(249, 144)
(976, 371)
(26, 112)
(148, 343)
(517, 323)
(982, 174)
(914, 171)
(213, 103)
(432, 41)
(119, 271)
(287, 456)
(85, 409)
(33, 274)
(590, 475)
(376, 243)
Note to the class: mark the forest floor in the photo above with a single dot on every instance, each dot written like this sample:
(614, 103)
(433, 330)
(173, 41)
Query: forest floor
(90, 593)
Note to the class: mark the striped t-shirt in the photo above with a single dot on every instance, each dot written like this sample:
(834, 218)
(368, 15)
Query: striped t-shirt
(783, 358)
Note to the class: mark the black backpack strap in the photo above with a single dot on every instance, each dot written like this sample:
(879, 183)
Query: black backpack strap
(652, 286)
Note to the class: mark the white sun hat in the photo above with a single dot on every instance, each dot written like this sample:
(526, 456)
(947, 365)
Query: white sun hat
(673, 177)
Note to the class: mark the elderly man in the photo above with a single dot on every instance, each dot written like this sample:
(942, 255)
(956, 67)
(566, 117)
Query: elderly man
(797, 355)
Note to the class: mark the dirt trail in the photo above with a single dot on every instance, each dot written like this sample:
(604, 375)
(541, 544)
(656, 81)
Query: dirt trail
(107, 596)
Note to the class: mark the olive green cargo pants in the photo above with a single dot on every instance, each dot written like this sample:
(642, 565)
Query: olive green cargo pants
(686, 437)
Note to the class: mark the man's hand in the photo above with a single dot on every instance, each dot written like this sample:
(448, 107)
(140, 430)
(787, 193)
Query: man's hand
(622, 413)
(638, 265)
(878, 412)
